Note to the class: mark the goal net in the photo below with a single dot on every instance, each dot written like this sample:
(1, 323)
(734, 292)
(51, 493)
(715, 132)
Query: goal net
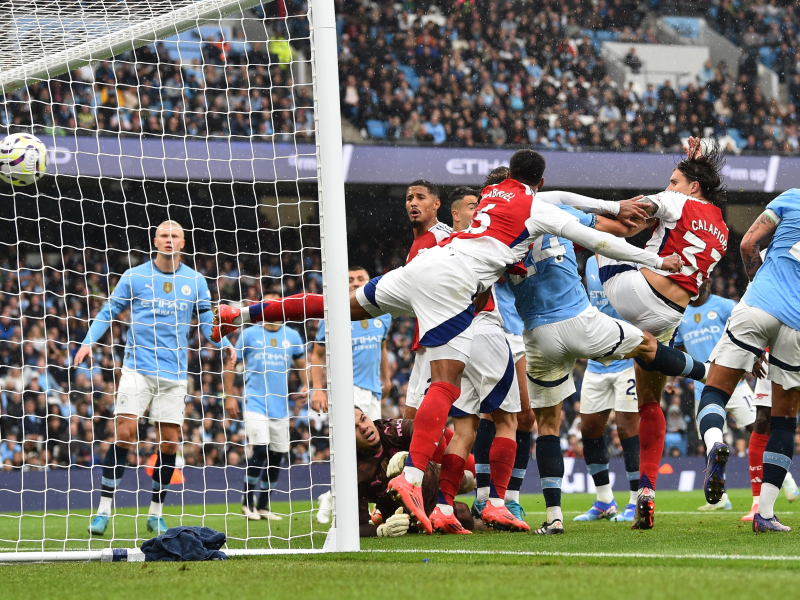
(203, 114)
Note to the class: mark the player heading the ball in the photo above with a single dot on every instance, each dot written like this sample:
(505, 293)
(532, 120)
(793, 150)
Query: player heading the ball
(163, 294)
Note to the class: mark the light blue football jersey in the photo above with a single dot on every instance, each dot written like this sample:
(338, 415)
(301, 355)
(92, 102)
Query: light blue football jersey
(367, 336)
(552, 290)
(701, 328)
(512, 322)
(598, 299)
(162, 305)
(267, 357)
(776, 286)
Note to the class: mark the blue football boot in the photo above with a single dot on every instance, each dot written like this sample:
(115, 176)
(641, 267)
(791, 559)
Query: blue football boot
(625, 516)
(477, 508)
(515, 508)
(599, 510)
(98, 524)
(714, 482)
(156, 525)
(760, 524)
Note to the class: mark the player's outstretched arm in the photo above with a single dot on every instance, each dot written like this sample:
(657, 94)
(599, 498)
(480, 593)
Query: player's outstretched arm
(756, 239)
(627, 212)
(228, 375)
(100, 324)
(616, 248)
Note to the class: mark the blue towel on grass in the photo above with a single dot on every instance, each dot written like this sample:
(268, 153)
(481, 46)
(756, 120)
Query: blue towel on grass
(185, 543)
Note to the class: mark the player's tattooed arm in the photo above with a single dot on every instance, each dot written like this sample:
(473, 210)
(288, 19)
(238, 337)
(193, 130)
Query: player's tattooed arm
(647, 205)
(755, 240)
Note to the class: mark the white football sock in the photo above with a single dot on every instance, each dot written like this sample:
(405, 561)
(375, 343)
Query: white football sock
(604, 493)
(755, 500)
(634, 495)
(766, 503)
(497, 502)
(512, 495)
(553, 513)
(711, 437)
(105, 506)
(788, 480)
(482, 494)
(244, 316)
(446, 509)
(155, 509)
(413, 475)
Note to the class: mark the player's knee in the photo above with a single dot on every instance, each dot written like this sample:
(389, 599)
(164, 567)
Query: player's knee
(592, 427)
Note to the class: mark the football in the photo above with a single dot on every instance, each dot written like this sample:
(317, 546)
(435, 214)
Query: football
(23, 159)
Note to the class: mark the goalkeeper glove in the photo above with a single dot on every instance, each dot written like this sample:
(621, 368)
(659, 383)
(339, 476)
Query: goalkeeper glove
(396, 464)
(396, 525)
(376, 517)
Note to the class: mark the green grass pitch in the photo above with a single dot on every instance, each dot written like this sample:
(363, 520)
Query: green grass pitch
(706, 555)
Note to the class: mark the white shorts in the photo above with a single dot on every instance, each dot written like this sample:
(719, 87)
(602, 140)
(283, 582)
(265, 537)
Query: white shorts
(552, 350)
(632, 297)
(437, 288)
(742, 405)
(517, 345)
(489, 381)
(367, 401)
(260, 430)
(609, 391)
(420, 379)
(748, 332)
(166, 398)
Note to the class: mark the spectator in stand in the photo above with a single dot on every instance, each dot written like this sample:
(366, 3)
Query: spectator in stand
(633, 62)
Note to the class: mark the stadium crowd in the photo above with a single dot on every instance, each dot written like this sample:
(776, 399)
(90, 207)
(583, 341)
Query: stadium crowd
(496, 73)
(57, 414)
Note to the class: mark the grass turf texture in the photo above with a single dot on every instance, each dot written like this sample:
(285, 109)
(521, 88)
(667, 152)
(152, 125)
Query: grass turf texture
(680, 532)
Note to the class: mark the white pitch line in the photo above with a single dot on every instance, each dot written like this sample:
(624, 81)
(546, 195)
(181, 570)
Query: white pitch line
(593, 554)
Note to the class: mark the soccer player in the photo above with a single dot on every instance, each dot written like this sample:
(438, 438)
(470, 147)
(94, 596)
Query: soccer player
(163, 294)
(700, 330)
(379, 445)
(767, 316)
(445, 285)
(463, 202)
(689, 223)
(607, 388)
(561, 326)
(371, 381)
(422, 206)
(269, 352)
(489, 386)
(370, 362)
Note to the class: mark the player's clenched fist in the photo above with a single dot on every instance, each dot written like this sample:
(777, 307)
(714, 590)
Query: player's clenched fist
(672, 263)
(396, 525)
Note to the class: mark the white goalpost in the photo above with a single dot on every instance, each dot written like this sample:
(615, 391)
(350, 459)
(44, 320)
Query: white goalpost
(222, 116)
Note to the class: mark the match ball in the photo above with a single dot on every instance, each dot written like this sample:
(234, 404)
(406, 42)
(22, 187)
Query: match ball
(23, 159)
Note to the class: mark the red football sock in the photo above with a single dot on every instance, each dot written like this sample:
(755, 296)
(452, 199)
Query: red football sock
(451, 476)
(430, 421)
(470, 465)
(758, 442)
(292, 308)
(652, 429)
(440, 449)
(502, 455)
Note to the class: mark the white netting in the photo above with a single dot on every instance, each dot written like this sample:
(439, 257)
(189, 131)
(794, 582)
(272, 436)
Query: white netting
(214, 129)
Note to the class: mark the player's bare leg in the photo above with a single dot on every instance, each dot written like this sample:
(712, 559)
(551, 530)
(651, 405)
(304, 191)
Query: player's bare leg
(777, 456)
(443, 518)
(550, 461)
(429, 425)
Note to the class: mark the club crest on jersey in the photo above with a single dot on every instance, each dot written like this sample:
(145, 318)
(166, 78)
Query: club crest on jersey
(273, 342)
(697, 317)
(712, 315)
(167, 286)
(186, 290)
(364, 324)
